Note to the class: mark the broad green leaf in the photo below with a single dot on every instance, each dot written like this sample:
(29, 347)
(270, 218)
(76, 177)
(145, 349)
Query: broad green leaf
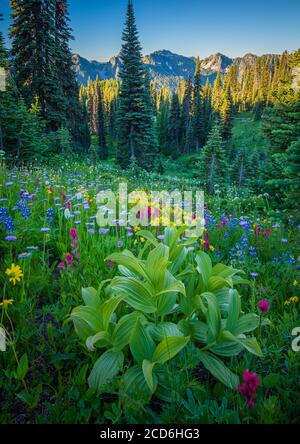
(252, 346)
(128, 260)
(219, 370)
(213, 316)
(223, 298)
(141, 343)
(169, 348)
(87, 321)
(216, 283)
(22, 368)
(164, 329)
(109, 307)
(148, 374)
(148, 236)
(234, 310)
(171, 238)
(134, 387)
(123, 330)
(204, 267)
(156, 265)
(237, 280)
(177, 259)
(137, 294)
(249, 344)
(91, 298)
(168, 294)
(99, 340)
(166, 303)
(224, 271)
(195, 329)
(247, 323)
(227, 349)
(104, 370)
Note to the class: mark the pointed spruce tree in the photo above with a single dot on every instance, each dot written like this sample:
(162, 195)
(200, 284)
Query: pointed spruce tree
(174, 126)
(35, 53)
(103, 152)
(212, 167)
(198, 109)
(136, 140)
(226, 113)
(75, 116)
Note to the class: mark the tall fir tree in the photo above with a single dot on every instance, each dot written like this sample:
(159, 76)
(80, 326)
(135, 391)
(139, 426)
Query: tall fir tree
(186, 117)
(35, 53)
(174, 126)
(75, 115)
(136, 141)
(198, 109)
(103, 152)
(217, 93)
(226, 112)
(212, 166)
(162, 125)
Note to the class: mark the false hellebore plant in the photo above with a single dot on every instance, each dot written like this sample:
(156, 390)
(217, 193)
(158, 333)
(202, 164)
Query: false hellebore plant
(162, 301)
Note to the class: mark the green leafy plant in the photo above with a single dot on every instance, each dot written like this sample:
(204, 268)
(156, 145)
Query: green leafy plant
(147, 315)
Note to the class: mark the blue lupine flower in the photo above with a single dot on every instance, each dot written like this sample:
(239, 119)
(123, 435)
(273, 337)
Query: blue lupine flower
(6, 220)
(23, 209)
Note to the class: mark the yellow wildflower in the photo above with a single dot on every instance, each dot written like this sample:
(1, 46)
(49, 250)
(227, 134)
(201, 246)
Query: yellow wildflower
(15, 273)
(6, 302)
(294, 299)
(287, 303)
(211, 248)
(295, 283)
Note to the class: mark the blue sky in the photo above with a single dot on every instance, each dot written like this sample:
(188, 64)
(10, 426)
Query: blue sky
(189, 27)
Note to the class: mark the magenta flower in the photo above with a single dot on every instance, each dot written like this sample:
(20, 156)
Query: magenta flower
(69, 258)
(248, 389)
(61, 265)
(267, 232)
(263, 306)
(73, 234)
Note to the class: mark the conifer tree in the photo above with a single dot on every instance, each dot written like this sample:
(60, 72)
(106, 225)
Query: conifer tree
(162, 126)
(240, 168)
(212, 167)
(135, 120)
(207, 110)
(217, 94)
(101, 128)
(186, 117)
(198, 109)
(292, 182)
(75, 116)
(226, 113)
(35, 52)
(174, 126)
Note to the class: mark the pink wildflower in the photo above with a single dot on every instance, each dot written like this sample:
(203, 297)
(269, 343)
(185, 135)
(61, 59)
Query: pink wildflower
(73, 234)
(69, 258)
(263, 306)
(248, 389)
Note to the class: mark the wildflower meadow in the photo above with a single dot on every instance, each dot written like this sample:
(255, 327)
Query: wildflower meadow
(131, 324)
(149, 217)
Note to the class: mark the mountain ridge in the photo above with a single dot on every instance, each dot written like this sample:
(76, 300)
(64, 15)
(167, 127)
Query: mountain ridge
(165, 66)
